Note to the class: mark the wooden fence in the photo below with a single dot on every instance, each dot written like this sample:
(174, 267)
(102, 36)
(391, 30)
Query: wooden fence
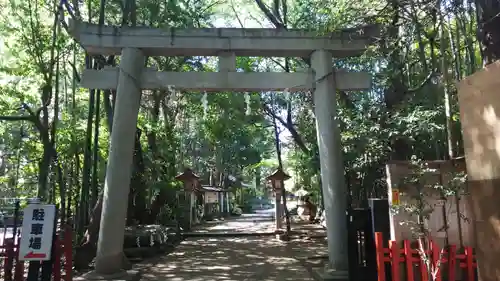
(407, 263)
(13, 269)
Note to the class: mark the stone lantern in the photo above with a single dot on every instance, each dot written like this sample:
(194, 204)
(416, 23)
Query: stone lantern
(191, 183)
(277, 180)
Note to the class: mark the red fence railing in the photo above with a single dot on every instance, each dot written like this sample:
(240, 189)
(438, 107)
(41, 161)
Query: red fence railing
(12, 269)
(407, 264)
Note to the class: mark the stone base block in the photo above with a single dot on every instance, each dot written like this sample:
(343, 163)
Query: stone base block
(283, 237)
(322, 274)
(124, 275)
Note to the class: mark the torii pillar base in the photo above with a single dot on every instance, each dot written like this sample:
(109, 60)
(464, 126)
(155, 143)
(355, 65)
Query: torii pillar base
(325, 274)
(124, 275)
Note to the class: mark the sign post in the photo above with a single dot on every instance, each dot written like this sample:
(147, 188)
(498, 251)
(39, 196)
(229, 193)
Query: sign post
(37, 232)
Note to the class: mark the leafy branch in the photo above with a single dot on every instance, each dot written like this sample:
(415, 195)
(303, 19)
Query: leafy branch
(421, 188)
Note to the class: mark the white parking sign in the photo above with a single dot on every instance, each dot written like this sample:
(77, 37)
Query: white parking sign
(37, 231)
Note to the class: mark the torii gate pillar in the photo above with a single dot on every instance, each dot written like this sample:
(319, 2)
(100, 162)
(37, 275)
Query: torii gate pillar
(332, 167)
(110, 258)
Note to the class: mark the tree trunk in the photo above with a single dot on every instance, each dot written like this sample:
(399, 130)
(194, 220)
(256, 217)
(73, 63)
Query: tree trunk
(86, 252)
(95, 151)
(488, 29)
(138, 192)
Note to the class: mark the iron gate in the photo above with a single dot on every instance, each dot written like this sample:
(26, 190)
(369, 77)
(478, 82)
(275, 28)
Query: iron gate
(361, 243)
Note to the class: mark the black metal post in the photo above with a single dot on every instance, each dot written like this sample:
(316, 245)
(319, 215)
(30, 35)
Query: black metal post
(380, 212)
(33, 271)
(47, 265)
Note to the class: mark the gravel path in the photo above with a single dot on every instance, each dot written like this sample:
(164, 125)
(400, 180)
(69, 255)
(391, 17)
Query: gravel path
(262, 258)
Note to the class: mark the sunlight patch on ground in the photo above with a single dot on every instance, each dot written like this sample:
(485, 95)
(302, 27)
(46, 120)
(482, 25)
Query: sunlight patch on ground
(281, 260)
(237, 258)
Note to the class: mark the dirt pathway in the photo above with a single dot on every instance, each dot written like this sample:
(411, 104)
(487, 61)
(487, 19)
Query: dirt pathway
(262, 258)
(229, 259)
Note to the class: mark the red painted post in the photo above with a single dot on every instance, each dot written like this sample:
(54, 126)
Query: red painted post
(19, 268)
(9, 259)
(409, 260)
(56, 267)
(436, 260)
(380, 250)
(395, 260)
(423, 266)
(68, 253)
(452, 261)
(410, 256)
(470, 264)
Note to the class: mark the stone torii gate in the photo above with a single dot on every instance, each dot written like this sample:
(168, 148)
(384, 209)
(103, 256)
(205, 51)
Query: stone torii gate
(131, 77)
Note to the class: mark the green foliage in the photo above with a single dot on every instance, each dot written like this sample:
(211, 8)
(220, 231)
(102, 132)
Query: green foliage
(422, 50)
(424, 185)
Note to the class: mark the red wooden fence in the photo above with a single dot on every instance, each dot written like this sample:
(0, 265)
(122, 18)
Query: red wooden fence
(12, 269)
(409, 261)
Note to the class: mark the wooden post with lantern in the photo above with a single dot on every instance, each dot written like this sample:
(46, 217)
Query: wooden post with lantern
(190, 181)
(277, 180)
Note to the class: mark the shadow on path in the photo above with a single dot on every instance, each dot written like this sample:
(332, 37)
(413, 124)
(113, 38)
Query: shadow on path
(233, 258)
(244, 258)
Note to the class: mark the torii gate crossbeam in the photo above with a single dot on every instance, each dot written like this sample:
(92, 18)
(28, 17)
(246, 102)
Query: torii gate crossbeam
(226, 81)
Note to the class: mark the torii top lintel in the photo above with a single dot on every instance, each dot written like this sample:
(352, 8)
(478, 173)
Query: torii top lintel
(261, 42)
